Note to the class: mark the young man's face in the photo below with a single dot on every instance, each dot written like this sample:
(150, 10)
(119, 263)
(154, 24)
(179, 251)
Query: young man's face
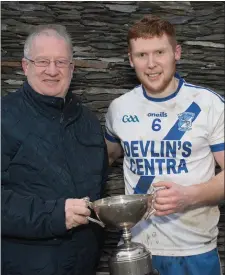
(50, 80)
(154, 60)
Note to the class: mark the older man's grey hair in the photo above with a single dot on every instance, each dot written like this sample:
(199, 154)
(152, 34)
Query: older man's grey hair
(48, 30)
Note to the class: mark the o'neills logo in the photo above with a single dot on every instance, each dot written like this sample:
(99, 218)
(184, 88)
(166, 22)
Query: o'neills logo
(161, 114)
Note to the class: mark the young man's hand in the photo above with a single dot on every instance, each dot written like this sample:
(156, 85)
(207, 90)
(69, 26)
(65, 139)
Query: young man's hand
(172, 198)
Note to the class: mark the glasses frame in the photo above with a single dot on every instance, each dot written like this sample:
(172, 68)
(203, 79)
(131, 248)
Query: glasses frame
(33, 62)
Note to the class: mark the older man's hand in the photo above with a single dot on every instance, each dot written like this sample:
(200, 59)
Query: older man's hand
(76, 212)
(172, 199)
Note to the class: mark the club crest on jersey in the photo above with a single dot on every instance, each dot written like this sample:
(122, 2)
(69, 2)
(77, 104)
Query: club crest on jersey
(185, 121)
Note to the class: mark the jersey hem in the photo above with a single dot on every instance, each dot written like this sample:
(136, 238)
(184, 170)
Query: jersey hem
(184, 252)
(111, 138)
(217, 147)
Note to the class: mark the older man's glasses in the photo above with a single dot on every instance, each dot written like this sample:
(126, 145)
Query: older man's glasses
(62, 63)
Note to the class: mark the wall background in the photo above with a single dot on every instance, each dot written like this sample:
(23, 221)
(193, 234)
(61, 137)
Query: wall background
(102, 72)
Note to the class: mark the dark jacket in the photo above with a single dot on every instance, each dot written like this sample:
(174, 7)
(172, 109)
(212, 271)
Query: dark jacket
(51, 151)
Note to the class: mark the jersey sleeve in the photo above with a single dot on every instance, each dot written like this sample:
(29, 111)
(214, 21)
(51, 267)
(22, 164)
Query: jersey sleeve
(110, 133)
(216, 124)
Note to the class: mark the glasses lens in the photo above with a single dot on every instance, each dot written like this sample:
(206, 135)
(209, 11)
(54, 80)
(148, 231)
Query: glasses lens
(42, 62)
(62, 63)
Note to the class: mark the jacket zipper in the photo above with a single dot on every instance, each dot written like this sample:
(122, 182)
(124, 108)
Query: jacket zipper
(62, 114)
(61, 118)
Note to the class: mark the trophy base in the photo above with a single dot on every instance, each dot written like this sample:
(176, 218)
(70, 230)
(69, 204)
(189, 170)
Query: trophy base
(131, 259)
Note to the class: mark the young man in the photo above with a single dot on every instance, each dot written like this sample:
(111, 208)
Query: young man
(53, 155)
(171, 133)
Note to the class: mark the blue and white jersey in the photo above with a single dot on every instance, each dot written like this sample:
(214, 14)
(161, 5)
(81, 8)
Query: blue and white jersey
(170, 139)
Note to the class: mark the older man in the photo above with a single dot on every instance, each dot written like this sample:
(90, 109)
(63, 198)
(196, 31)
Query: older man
(53, 155)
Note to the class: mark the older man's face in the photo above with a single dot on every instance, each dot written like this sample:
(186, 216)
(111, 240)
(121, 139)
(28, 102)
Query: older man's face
(51, 80)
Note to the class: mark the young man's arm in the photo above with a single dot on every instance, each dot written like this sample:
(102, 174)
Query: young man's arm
(115, 151)
(177, 198)
(212, 191)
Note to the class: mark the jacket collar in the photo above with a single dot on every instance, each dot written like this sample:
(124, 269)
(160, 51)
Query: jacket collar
(50, 106)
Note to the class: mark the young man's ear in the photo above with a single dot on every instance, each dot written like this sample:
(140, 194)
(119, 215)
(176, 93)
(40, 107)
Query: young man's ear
(25, 66)
(178, 52)
(130, 60)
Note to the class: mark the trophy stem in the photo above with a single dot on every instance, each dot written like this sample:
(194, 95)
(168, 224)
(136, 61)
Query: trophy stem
(126, 235)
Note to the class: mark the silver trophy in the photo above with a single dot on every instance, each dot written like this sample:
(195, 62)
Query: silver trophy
(123, 212)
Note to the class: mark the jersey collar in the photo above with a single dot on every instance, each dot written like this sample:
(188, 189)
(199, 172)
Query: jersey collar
(181, 81)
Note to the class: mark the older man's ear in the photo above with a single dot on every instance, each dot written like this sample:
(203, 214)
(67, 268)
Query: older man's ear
(25, 66)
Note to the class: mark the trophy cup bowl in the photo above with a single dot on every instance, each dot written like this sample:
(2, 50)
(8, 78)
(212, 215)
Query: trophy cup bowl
(122, 211)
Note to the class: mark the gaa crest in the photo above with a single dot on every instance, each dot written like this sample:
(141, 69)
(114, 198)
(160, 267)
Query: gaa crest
(185, 121)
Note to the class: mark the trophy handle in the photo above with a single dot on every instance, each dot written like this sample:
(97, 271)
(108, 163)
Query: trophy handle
(90, 205)
(152, 210)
